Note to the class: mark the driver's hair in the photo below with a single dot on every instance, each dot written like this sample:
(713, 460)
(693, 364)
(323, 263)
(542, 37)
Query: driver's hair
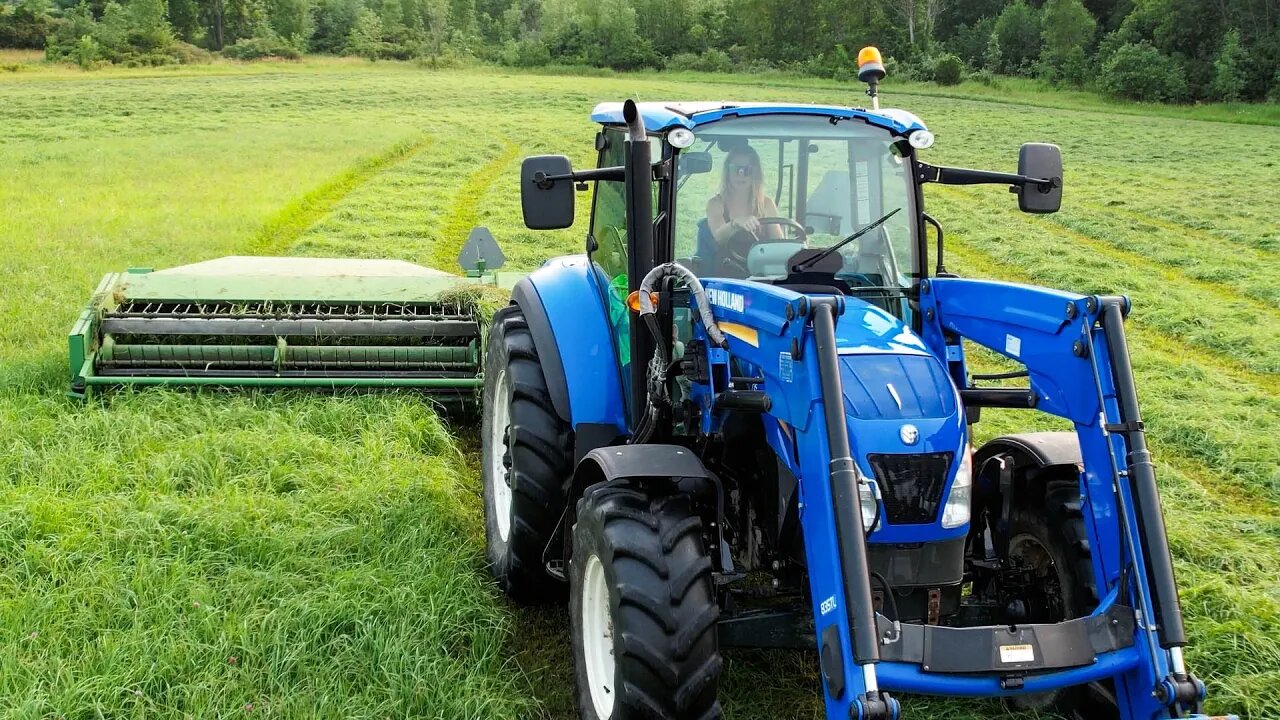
(740, 155)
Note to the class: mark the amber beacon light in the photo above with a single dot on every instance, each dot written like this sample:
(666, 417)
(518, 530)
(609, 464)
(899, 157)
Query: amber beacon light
(871, 72)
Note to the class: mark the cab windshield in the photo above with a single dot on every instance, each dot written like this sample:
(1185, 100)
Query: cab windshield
(756, 195)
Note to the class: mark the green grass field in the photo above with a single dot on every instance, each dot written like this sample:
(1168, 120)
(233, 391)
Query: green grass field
(172, 554)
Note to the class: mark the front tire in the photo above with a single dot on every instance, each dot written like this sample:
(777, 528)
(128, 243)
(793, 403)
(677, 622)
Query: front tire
(642, 608)
(1051, 538)
(525, 458)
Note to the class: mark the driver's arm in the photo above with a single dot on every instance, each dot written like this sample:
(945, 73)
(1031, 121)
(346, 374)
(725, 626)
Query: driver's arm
(720, 229)
(772, 231)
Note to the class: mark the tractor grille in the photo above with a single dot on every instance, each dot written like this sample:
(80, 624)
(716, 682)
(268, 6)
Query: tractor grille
(911, 485)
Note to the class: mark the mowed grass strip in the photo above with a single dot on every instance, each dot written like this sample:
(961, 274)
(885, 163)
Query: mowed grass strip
(286, 226)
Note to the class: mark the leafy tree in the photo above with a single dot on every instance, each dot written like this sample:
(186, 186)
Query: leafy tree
(148, 28)
(1141, 72)
(970, 42)
(25, 24)
(1228, 69)
(365, 39)
(184, 16)
(1015, 38)
(292, 20)
(334, 20)
(1068, 30)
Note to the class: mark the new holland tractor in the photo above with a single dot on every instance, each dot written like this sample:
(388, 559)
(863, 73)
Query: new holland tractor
(722, 428)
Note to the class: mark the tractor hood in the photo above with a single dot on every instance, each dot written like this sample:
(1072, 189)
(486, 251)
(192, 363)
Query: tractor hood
(890, 381)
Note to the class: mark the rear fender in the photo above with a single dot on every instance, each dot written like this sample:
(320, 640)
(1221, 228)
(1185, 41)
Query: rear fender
(564, 304)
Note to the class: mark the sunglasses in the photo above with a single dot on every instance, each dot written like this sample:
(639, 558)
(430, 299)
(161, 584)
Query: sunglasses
(741, 170)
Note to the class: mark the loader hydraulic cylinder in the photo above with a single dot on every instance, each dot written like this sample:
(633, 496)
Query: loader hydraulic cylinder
(850, 533)
(1142, 477)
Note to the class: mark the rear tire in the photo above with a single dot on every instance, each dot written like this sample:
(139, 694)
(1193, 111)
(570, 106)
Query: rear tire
(1052, 537)
(525, 458)
(642, 608)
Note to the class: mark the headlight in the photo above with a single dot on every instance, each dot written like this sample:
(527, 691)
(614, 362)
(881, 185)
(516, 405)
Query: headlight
(869, 499)
(956, 512)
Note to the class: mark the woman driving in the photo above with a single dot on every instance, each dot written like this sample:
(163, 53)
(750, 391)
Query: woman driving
(737, 209)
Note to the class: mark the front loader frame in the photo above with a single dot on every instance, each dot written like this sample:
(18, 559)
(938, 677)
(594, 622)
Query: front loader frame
(1074, 349)
(1077, 361)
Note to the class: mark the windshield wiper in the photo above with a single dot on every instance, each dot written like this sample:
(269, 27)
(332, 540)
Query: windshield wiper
(804, 264)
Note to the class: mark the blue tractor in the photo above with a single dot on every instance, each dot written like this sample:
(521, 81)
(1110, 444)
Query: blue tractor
(743, 418)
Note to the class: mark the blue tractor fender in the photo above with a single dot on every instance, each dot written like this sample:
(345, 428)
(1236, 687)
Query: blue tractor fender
(1031, 455)
(565, 305)
(1038, 449)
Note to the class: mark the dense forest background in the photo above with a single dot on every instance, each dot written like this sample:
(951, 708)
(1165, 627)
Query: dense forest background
(1152, 50)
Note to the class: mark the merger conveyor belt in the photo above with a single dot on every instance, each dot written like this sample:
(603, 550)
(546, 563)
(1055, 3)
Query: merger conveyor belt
(264, 321)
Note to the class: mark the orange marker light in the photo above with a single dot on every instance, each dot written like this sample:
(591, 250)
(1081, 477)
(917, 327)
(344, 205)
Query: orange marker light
(870, 65)
(633, 300)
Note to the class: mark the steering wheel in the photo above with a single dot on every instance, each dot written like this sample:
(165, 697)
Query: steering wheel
(741, 242)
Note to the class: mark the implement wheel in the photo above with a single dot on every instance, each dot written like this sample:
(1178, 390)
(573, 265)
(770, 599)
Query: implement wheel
(642, 610)
(1049, 540)
(526, 456)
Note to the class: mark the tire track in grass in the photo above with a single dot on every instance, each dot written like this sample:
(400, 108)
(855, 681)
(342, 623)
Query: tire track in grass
(465, 211)
(288, 224)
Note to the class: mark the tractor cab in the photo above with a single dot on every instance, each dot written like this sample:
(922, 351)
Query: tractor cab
(816, 199)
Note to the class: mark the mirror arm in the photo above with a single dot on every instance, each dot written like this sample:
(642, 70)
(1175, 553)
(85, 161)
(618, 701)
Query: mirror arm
(964, 176)
(545, 181)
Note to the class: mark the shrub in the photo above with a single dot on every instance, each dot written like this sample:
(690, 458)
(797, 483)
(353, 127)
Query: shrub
(257, 48)
(681, 61)
(188, 54)
(948, 69)
(714, 60)
(525, 53)
(756, 66)
(986, 78)
(1077, 68)
(87, 52)
(1140, 72)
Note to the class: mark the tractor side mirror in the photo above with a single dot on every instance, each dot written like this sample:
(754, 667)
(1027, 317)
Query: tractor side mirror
(1040, 160)
(695, 163)
(546, 192)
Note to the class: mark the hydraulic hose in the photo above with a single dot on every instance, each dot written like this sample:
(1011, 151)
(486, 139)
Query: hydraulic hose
(699, 293)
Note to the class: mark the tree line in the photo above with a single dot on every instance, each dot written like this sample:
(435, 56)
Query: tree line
(1153, 50)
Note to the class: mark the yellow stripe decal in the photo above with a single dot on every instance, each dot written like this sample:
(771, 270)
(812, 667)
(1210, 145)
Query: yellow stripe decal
(746, 334)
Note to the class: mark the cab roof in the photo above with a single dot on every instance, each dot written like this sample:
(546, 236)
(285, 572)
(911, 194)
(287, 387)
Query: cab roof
(660, 116)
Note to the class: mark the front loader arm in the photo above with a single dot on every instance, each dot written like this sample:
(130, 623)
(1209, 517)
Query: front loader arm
(1077, 362)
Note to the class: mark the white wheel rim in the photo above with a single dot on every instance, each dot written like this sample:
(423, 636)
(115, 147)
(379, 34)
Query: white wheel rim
(597, 637)
(498, 442)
